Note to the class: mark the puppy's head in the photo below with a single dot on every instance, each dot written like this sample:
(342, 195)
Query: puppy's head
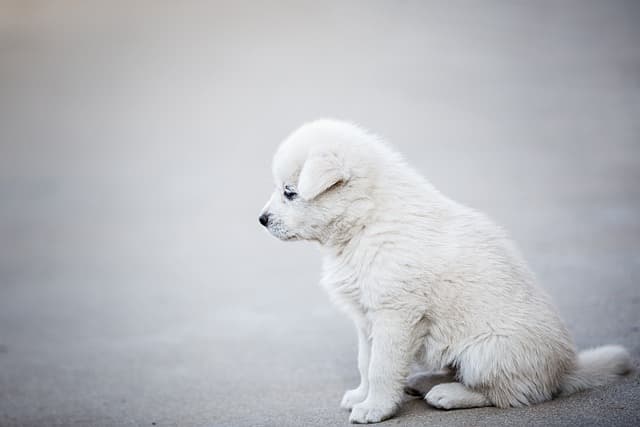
(318, 190)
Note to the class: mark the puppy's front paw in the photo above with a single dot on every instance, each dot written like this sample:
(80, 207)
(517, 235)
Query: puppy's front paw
(369, 412)
(353, 397)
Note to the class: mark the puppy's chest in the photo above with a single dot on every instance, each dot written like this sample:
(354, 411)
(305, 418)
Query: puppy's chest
(342, 286)
(347, 282)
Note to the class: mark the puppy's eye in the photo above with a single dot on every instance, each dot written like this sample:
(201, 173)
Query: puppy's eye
(289, 193)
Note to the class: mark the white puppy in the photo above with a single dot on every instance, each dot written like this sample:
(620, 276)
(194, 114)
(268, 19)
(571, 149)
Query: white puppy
(424, 279)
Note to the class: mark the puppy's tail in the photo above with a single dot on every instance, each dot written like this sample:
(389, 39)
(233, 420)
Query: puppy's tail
(597, 367)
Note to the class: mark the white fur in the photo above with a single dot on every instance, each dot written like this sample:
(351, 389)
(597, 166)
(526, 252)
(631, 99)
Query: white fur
(424, 279)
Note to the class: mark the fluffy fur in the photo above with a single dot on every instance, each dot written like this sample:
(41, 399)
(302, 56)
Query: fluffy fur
(424, 279)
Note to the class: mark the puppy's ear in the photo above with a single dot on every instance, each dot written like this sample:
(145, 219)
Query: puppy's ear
(320, 172)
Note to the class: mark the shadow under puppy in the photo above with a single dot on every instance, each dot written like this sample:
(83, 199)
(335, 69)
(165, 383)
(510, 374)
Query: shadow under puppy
(424, 279)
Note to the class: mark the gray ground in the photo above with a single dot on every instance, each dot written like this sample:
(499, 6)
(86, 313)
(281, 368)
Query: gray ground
(136, 286)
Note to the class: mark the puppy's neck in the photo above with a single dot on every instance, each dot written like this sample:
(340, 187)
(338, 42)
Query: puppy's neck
(337, 242)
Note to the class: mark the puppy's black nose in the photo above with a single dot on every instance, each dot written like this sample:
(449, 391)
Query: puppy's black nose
(264, 219)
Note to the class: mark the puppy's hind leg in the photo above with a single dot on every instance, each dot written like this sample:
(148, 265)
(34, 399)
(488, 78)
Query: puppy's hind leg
(419, 384)
(455, 396)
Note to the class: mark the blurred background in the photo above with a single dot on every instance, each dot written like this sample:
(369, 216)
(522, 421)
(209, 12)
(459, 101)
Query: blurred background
(136, 285)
